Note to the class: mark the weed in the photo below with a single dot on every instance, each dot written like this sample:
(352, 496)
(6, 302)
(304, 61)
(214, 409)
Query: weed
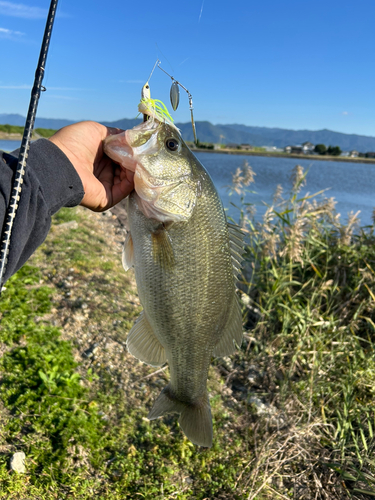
(293, 409)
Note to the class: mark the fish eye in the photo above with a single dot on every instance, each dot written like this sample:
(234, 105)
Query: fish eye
(172, 144)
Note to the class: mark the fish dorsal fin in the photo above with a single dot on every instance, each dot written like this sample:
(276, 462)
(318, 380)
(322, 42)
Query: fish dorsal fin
(143, 344)
(128, 253)
(236, 243)
(232, 331)
(162, 250)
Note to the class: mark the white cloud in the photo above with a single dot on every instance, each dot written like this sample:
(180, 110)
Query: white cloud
(21, 10)
(345, 113)
(5, 33)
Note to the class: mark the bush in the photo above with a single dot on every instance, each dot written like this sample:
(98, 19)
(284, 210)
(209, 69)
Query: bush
(321, 149)
(334, 151)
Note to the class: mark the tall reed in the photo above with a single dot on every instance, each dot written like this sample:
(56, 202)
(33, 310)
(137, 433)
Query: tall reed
(309, 308)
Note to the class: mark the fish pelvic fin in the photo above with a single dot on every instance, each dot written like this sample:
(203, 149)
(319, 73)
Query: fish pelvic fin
(143, 344)
(128, 253)
(195, 418)
(162, 248)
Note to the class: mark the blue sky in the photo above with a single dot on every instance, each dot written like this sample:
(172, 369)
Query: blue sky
(295, 64)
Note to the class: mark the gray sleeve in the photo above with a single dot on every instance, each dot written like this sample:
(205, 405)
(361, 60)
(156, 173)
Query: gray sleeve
(50, 183)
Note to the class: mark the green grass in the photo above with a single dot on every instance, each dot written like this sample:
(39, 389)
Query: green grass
(11, 129)
(58, 421)
(14, 129)
(83, 430)
(293, 409)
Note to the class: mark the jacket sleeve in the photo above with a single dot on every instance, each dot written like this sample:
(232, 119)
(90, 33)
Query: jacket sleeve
(50, 183)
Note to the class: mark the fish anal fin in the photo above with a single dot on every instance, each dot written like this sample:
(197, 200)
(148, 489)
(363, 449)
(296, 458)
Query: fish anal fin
(232, 332)
(195, 419)
(128, 253)
(143, 344)
(162, 250)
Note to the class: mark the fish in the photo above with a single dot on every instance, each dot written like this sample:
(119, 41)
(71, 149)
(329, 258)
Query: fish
(186, 259)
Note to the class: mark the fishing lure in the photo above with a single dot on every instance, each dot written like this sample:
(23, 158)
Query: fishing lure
(160, 111)
(155, 108)
(175, 97)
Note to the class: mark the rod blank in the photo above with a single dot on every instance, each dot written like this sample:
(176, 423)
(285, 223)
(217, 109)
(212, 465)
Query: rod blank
(25, 144)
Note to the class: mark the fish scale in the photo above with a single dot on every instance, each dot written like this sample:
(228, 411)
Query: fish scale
(185, 276)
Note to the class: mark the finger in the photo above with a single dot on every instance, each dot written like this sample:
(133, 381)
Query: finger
(121, 191)
(114, 131)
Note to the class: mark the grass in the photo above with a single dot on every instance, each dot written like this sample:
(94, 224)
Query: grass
(293, 409)
(14, 129)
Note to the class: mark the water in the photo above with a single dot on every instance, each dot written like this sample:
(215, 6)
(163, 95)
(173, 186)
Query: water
(351, 184)
(9, 145)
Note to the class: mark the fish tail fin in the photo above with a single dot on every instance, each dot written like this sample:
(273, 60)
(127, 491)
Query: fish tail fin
(195, 419)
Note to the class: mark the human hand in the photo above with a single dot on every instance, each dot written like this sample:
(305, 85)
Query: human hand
(105, 183)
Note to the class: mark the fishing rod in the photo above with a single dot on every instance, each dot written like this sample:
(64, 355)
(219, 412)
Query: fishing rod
(25, 144)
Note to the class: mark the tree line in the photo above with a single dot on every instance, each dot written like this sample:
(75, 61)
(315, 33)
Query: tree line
(322, 149)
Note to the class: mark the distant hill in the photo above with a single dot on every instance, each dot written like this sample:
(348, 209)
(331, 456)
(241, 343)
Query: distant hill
(283, 137)
(235, 133)
(53, 123)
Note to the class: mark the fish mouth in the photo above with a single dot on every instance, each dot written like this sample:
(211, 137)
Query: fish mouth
(125, 148)
(119, 150)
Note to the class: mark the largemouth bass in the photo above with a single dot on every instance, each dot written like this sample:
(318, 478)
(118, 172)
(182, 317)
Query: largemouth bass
(186, 258)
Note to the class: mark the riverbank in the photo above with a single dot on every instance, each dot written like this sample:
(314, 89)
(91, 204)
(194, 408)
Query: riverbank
(284, 155)
(18, 137)
(292, 408)
(10, 137)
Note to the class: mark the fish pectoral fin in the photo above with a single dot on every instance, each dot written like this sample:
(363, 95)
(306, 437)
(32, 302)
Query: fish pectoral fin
(195, 419)
(128, 253)
(232, 332)
(143, 344)
(162, 250)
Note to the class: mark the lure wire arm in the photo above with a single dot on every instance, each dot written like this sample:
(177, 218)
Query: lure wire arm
(158, 62)
(25, 144)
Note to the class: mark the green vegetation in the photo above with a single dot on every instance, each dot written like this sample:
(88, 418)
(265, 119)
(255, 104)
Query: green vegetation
(204, 145)
(331, 150)
(321, 149)
(75, 401)
(39, 132)
(293, 408)
(11, 129)
(334, 151)
(44, 132)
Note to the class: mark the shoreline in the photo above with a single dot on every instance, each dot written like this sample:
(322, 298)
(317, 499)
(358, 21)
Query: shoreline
(18, 137)
(285, 155)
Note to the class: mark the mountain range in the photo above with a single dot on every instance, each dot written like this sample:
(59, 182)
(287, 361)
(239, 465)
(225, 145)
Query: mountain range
(230, 133)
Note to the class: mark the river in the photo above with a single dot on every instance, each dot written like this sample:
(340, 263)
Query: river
(351, 184)
(9, 145)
